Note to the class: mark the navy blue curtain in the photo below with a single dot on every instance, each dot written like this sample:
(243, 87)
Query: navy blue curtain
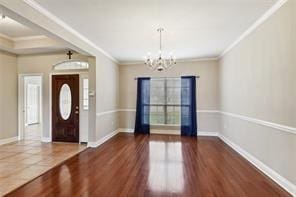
(142, 125)
(188, 106)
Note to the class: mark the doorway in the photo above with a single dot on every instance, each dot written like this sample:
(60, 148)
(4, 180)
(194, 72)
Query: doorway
(30, 107)
(65, 108)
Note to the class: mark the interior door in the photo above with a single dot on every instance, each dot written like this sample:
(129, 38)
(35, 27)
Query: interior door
(65, 108)
(32, 104)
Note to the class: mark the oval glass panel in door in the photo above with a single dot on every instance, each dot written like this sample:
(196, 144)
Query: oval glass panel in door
(65, 101)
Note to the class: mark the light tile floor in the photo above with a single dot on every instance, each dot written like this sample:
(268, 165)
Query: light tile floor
(25, 160)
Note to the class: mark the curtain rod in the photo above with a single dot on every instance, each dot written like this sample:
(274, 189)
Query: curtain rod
(165, 77)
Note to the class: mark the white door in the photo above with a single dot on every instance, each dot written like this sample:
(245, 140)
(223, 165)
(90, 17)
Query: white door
(32, 104)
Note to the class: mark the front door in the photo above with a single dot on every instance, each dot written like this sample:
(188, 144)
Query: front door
(65, 108)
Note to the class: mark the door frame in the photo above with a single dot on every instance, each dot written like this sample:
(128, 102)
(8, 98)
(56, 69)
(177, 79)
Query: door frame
(50, 98)
(21, 104)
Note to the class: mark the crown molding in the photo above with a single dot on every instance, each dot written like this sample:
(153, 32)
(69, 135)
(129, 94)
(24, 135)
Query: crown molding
(28, 38)
(6, 37)
(178, 61)
(255, 25)
(252, 28)
(57, 20)
(131, 63)
(203, 59)
(16, 39)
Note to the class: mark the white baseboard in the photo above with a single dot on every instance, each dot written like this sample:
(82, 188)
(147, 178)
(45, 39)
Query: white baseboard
(102, 140)
(206, 133)
(125, 130)
(46, 139)
(283, 182)
(169, 132)
(8, 140)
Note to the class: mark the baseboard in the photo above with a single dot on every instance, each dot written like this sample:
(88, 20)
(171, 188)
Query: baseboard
(8, 140)
(154, 131)
(125, 130)
(283, 182)
(102, 140)
(206, 133)
(46, 139)
(163, 132)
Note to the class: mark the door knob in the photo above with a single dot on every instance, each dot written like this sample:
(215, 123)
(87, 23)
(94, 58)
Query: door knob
(76, 112)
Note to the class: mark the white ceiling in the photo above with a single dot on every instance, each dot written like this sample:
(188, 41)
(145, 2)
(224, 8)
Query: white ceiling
(126, 29)
(36, 43)
(13, 29)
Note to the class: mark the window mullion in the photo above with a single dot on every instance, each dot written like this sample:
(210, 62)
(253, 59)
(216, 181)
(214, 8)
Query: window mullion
(165, 100)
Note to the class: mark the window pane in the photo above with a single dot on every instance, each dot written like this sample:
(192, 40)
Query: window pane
(157, 115)
(85, 83)
(85, 94)
(173, 115)
(157, 91)
(165, 101)
(85, 103)
(71, 65)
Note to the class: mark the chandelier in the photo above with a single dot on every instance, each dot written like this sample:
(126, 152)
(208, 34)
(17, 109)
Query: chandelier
(160, 63)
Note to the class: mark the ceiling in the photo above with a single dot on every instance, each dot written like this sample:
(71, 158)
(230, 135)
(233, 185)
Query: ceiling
(126, 29)
(13, 29)
(20, 39)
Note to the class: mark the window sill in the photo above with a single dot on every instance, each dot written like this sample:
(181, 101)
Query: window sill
(165, 125)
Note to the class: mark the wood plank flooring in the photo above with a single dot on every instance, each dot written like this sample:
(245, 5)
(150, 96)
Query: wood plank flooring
(155, 165)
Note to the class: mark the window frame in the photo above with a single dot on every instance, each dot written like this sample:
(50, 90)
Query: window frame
(166, 105)
(60, 66)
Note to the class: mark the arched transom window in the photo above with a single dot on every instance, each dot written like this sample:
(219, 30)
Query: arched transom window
(71, 65)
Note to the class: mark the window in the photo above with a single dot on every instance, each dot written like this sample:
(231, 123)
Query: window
(165, 101)
(71, 65)
(85, 94)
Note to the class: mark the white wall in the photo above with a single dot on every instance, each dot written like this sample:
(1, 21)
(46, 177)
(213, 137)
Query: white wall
(8, 95)
(257, 80)
(107, 85)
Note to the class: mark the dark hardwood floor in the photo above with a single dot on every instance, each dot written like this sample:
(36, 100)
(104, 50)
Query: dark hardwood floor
(156, 165)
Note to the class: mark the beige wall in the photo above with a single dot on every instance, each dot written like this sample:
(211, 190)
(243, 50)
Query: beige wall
(103, 75)
(8, 95)
(207, 90)
(257, 79)
(43, 64)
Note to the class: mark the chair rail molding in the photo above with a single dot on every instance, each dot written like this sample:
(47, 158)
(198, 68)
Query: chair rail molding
(273, 125)
(261, 122)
